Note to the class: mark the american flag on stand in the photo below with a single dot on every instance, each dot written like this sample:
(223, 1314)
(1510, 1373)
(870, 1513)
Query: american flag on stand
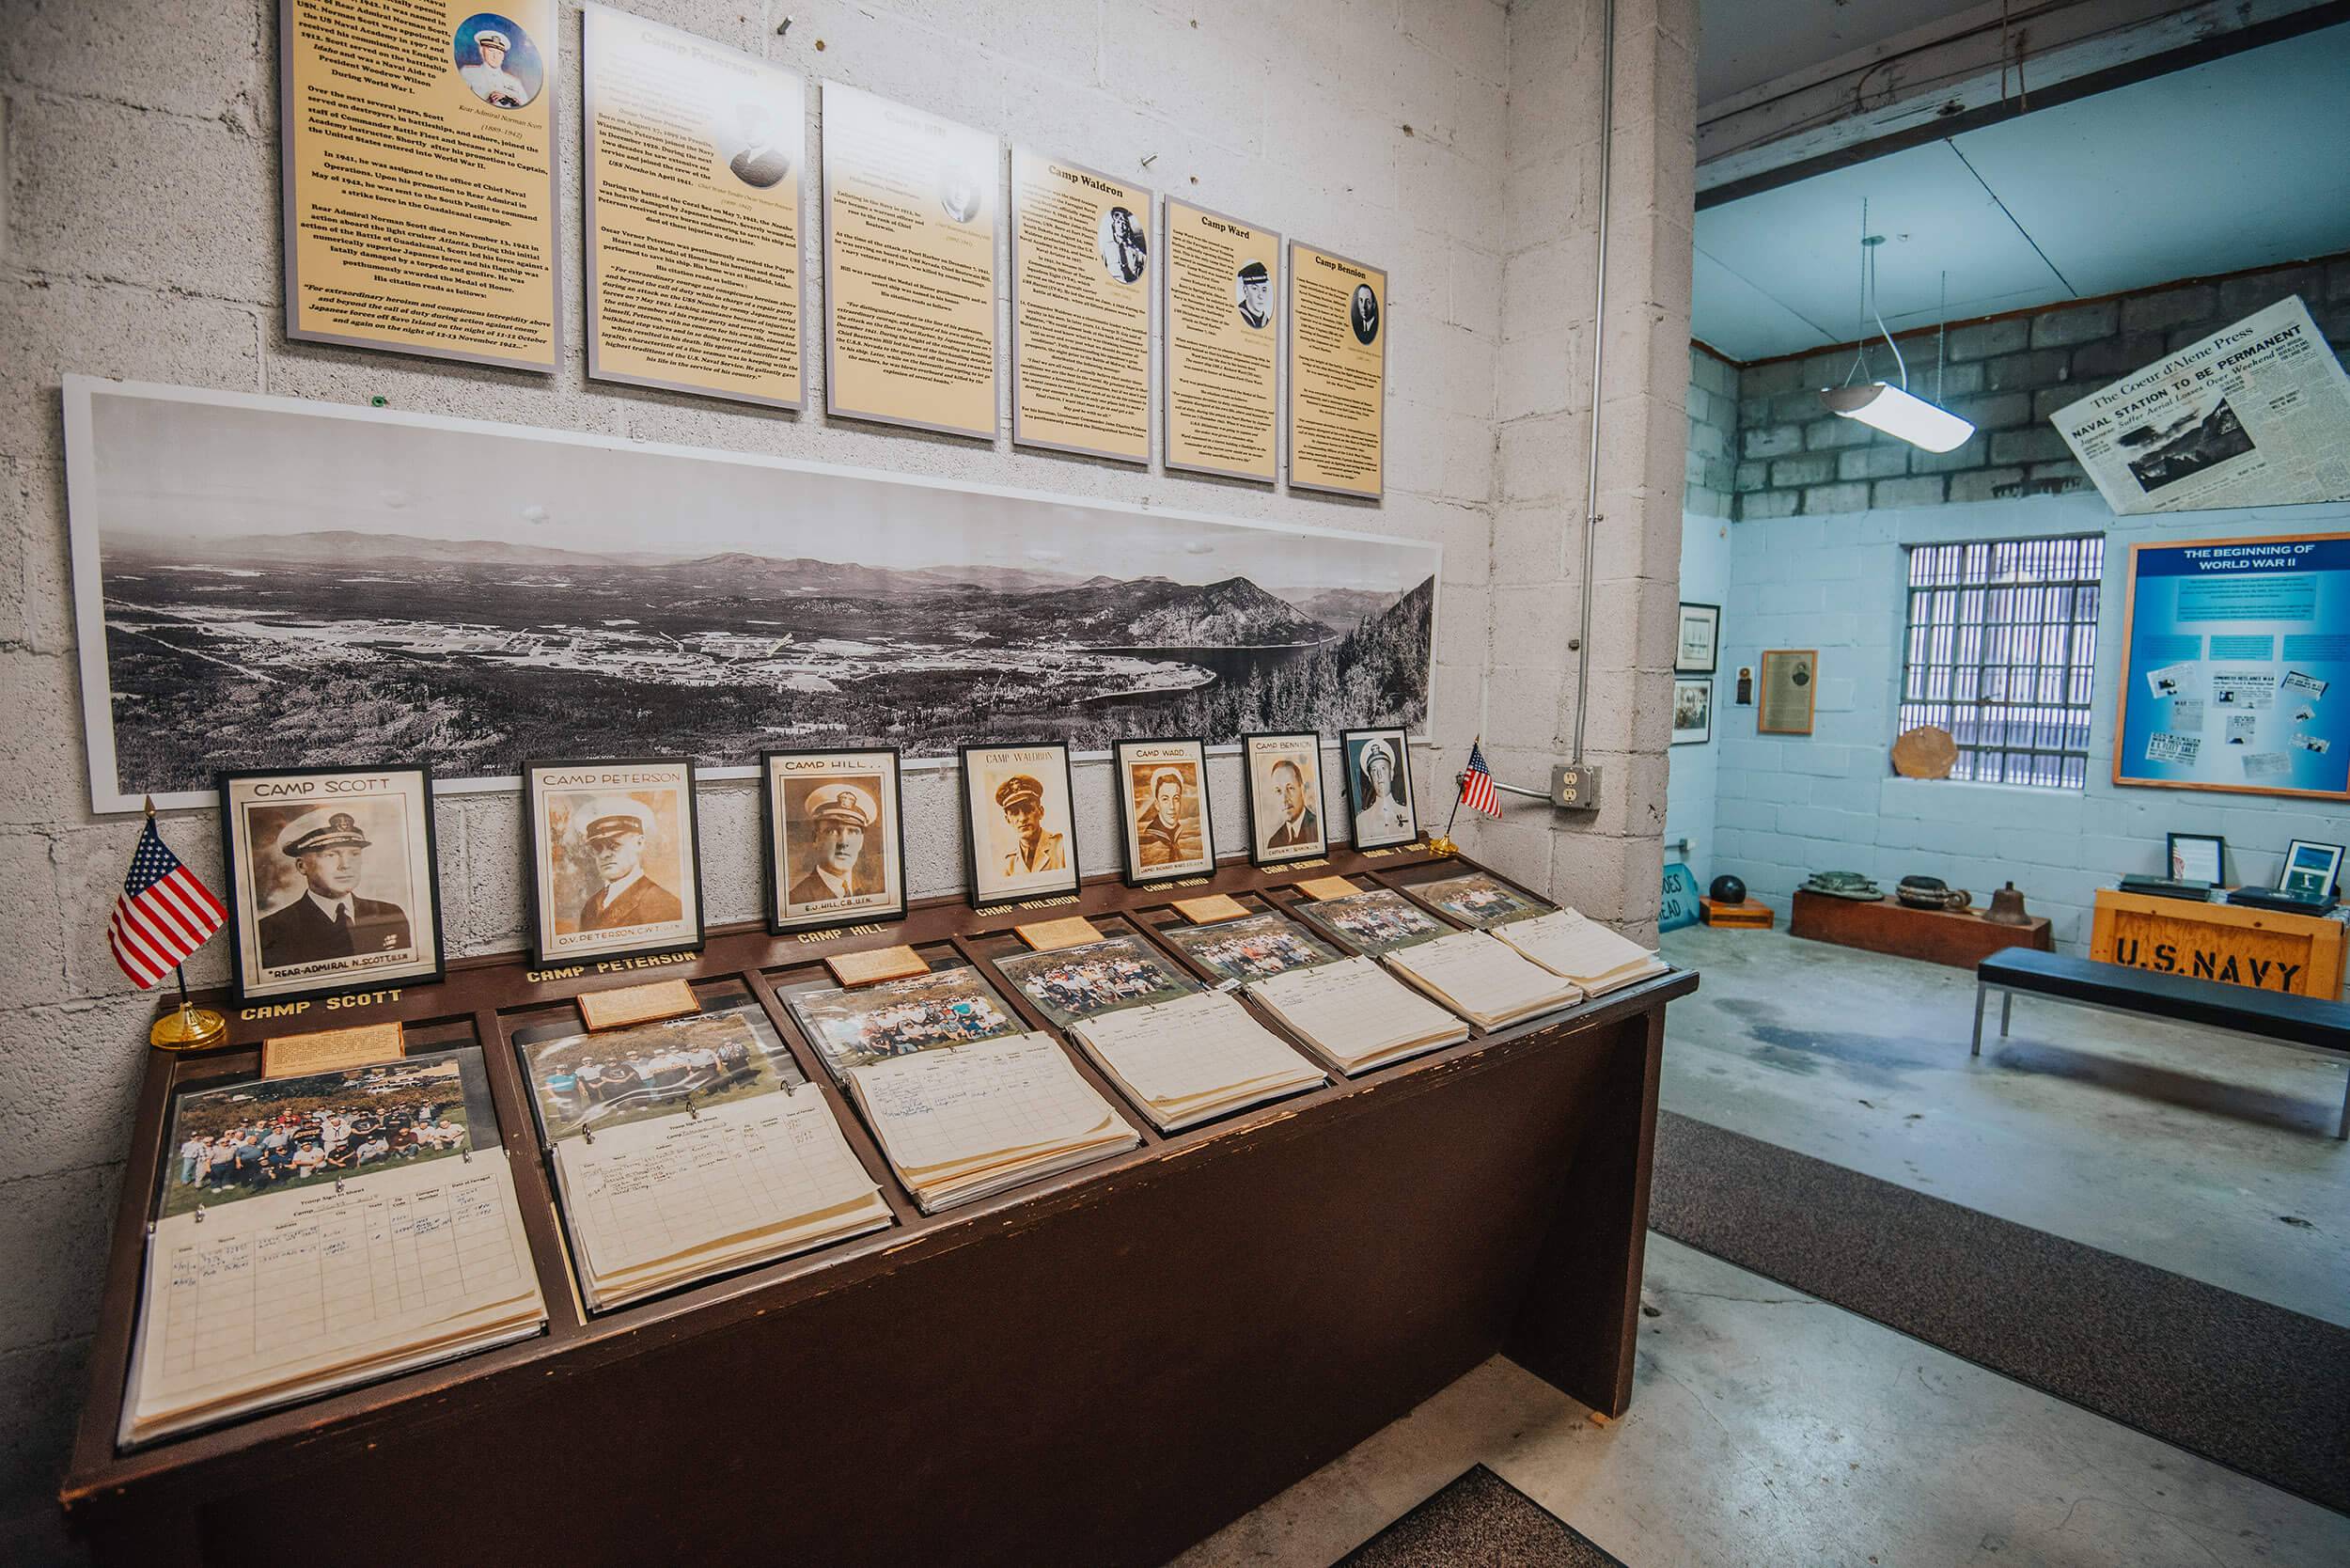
(1477, 784)
(162, 913)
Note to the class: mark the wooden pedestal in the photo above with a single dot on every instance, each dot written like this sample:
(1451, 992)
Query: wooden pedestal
(1749, 914)
(1934, 935)
(1099, 1368)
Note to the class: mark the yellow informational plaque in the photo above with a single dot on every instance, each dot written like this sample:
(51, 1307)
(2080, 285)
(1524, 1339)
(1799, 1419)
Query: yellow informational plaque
(1081, 248)
(1067, 931)
(876, 964)
(1321, 888)
(910, 204)
(1210, 909)
(694, 159)
(1222, 344)
(292, 1056)
(1338, 352)
(637, 1003)
(419, 180)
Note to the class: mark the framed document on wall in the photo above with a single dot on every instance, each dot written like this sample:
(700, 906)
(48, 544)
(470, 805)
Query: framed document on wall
(1790, 688)
(1699, 648)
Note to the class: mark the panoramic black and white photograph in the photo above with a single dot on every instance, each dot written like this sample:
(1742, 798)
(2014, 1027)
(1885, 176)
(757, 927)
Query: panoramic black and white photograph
(264, 582)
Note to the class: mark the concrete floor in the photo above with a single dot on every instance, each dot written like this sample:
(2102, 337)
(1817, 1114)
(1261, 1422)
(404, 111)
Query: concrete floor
(1771, 1429)
(2203, 1154)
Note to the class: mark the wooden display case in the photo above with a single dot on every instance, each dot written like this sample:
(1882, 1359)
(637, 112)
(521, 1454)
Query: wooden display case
(1100, 1366)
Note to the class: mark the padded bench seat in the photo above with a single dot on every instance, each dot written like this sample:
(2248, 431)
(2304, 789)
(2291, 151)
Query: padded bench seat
(2303, 1023)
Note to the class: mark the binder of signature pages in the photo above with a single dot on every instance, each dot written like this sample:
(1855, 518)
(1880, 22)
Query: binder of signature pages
(740, 1162)
(1567, 942)
(250, 1302)
(1195, 1057)
(1483, 978)
(962, 1123)
(1357, 1013)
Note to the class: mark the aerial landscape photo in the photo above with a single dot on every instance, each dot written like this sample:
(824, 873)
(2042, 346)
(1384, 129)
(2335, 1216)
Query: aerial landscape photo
(366, 589)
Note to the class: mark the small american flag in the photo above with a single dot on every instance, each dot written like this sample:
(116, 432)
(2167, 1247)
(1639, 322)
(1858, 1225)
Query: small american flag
(163, 913)
(1476, 785)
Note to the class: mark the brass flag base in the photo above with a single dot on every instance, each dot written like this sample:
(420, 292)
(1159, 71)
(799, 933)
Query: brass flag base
(188, 1029)
(1442, 844)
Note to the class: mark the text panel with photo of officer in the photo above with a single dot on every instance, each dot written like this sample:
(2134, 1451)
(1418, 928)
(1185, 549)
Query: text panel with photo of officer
(615, 867)
(836, 838)
(332, 882)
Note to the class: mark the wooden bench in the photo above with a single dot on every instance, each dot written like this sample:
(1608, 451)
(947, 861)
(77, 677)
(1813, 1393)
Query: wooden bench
(2303, 1023)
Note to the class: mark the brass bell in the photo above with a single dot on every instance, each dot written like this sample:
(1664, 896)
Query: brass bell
(2007, 908)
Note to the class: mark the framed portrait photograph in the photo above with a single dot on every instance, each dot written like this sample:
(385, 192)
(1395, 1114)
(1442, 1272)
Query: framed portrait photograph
(836, 838)
(1700, 647)
(2197, 856)
(614, 860)
(332, 882)
(1379, 787)
(1790, 691)
(2311, 868)
(1020, 829)
(1163, 809)
(1693, 710)
(1284, 775)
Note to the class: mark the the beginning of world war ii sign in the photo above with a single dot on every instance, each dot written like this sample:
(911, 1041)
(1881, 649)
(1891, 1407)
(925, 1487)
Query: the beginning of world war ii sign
(264, 582)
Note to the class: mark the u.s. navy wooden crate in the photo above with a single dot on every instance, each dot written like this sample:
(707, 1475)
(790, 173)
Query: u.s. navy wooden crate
(2266, 948)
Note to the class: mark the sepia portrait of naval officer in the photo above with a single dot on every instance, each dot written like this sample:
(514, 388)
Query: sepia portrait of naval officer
(328, 919)
(1256, 294)
(839, 817)
(1022, 799)
(615, 833)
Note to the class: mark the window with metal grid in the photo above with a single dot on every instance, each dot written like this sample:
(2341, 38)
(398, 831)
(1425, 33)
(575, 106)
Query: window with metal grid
(2003, 647)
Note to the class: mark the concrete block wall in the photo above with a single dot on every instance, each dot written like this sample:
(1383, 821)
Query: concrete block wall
(2007, 375)
(138, 238)
(1785, 806)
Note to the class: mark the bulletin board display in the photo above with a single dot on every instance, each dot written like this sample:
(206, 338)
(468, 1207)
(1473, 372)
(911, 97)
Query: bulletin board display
(2236, 667)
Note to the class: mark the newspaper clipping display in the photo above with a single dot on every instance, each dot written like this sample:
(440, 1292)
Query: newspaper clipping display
(2256, 415)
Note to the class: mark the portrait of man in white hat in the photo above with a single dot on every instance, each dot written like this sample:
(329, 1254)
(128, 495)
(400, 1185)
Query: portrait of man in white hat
(613, 827)
(486, 73)
(1380, 788)
(839, 817)
(328, 918)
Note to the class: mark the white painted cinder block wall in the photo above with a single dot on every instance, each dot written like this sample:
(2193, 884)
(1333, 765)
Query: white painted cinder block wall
(1785, 806)
(1453, 141)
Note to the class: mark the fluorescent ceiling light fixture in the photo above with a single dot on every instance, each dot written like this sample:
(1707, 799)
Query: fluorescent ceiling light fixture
(1899, 414)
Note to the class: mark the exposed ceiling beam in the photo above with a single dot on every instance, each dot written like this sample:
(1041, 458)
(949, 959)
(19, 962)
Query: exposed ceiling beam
(1991, 63)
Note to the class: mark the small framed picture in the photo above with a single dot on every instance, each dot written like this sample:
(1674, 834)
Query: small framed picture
(1693, 710)
(1379, 787)
(836, 838)
(1284, 776)
(1020, 831)
(2311, 868)
(614, 861)
(1790, 691)
(1163, 809)
(2197, 856)
(1700, 643)
(332, 882)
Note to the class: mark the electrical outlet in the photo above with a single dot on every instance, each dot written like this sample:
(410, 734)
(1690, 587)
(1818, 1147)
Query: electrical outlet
(1575, 786)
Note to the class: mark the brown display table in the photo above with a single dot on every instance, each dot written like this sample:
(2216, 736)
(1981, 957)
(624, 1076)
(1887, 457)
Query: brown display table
(1099, 1367)
(1935, 936)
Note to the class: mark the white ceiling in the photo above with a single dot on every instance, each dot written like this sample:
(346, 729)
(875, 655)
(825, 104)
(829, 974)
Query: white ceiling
(2234, 163)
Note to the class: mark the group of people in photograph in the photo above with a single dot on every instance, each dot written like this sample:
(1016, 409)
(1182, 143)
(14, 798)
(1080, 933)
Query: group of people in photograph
(289, 1145)
(653, 1072)
(1085, 986)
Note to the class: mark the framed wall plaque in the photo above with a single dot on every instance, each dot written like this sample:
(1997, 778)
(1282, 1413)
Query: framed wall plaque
(1790, 690)
(616, 869)
(332, 887)
(1693, 710)
(836, 838)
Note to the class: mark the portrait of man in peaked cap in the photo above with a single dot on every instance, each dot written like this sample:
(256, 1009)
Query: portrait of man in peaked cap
(614, 858)
(832, 838)
(328, 917)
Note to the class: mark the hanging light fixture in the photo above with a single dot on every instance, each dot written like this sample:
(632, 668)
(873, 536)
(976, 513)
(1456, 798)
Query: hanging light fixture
(1894, 410)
